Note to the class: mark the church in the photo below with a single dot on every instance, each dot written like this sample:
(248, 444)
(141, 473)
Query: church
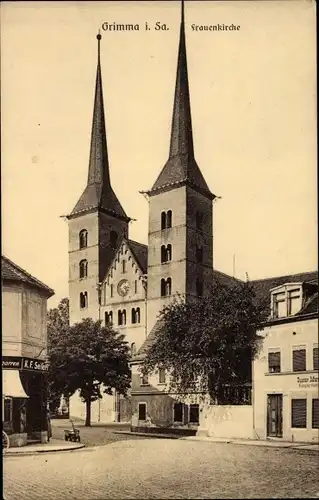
(125, 283)
(122, 281)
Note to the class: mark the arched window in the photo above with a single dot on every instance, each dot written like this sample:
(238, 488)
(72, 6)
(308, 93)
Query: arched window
(83, 238)
(166, 287)
(199, 254)
(122, 317)
(137, 315)
(169, 219)
(169, 252)
(83, 300)
(199, 287)
(123, 266)
(163, 220)
(133, 318)
(113, 239)
(83, 268)
(108, 318)
(163, 253)
(133, 349)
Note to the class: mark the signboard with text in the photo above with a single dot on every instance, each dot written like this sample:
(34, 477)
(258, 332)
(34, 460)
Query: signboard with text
(18, 363)
(305, 381)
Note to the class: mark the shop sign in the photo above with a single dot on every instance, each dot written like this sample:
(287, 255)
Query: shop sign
(307, 381)
(17, 363)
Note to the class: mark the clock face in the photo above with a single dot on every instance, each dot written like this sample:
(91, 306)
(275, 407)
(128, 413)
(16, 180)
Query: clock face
(123, 288)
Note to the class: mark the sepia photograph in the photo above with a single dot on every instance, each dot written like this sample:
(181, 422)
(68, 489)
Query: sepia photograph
(159, 257)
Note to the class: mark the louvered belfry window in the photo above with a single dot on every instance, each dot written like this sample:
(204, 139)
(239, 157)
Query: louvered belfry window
(299, 413)
(315, 413)
(274, 362)
(299, 360)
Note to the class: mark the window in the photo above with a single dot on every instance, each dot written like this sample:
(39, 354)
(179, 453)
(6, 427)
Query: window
(315, 413)
(293, 301)
(136, 315)
(199, 220)
(279, 305)
(166, 287)
(135, 286)
(113, 239)
(299, 413)
(142, 411)
(7, 417)
(194, 414)
(121, 317)
(166, 253)
(133, 349)
(315, 359)
(108, 318)
(144, 379)
(111, 290)
(199, 254)
(83, 300)
(161, 376)
(274, 362)
(123, 266)
(83, 238)
(83, 269)
(299, 360)
(178, 412)
(166, 219)
(199, 287)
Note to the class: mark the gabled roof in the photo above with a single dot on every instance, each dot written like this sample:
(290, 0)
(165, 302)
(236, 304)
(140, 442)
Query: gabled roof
(139, 252)
(12, 272)
(263, 286)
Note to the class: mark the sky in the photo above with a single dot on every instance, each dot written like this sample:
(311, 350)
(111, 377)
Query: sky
(253, 99)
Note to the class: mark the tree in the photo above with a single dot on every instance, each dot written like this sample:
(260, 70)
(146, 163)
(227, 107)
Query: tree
(208, 344)
(88, 356)
(57, 326)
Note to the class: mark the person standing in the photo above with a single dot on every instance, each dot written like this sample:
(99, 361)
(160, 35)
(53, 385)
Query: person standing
(49, 426)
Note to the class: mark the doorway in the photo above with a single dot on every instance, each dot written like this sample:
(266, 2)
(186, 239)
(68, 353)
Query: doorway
(274, 415)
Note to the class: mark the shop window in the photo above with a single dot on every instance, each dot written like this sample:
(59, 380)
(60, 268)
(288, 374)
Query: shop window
(315, 359)
(178, 412)
(142, 411)
(315, 413)
(144, 379)
(274, 362)
(83, 300)
(83, 238)
(7, 415)
(121, 317)
(194, 414)
(299, 360)
(299, 413)
(108, 318)
(113, 239)
(161, 376)
(83, 269)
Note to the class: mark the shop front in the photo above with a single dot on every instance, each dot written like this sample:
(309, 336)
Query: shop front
(24, 389)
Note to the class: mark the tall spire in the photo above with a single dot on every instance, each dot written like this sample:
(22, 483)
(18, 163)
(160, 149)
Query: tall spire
(98, 192)
(181, 166)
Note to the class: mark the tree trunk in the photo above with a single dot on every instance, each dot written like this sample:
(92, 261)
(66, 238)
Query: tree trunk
(88, 413)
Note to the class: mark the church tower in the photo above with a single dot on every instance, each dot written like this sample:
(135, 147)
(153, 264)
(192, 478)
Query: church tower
(97, 223)
(180, 252)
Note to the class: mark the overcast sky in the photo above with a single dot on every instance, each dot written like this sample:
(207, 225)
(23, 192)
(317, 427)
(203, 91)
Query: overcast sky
(253, 97)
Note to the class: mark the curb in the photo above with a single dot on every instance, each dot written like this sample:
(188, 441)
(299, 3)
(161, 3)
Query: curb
(38, 452)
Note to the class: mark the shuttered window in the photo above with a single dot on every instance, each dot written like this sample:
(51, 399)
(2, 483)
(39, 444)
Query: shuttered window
(315, 413)
(315, 359)
(299, 413)
(299, 360)
(274, 362)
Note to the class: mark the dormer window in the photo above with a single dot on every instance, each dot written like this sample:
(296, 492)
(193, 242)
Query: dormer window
(286, 300)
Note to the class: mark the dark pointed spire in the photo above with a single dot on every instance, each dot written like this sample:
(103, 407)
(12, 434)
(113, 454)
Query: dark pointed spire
(181, 166)
(98, 192)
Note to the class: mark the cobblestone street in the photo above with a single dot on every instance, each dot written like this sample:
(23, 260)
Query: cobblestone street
(162, 468)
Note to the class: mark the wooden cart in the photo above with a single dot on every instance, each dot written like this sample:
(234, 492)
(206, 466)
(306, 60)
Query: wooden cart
(72, 435)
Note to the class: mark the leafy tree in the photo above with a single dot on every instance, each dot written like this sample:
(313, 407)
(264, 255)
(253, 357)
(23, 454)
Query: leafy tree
(57, 326)
(86, 356)
(208, 344)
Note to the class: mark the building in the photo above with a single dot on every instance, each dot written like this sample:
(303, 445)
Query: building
(285, 374)
(24, 354)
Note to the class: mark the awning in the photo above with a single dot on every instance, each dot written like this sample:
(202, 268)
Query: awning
(11, 384)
